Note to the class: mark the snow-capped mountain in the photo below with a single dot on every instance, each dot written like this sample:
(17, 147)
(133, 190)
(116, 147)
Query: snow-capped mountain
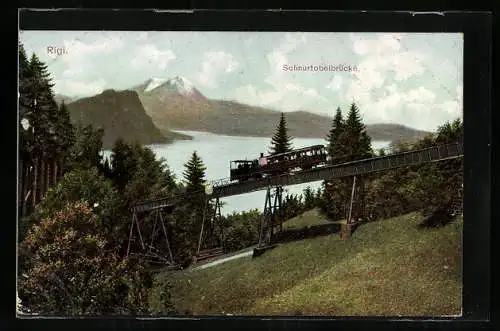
(174, 85)
(153, 83)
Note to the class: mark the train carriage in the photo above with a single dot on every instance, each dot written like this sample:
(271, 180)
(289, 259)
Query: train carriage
(297, 160)
(301, 159)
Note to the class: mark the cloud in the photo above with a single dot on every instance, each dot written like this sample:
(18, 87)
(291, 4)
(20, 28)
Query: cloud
(419, 94)
(78, 51)
(215, 63)
(79, 88)
(150, 55)
(336, 83)
(380, 57)
(385, 67)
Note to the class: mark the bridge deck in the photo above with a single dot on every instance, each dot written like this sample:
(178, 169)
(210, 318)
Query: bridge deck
(375, 164)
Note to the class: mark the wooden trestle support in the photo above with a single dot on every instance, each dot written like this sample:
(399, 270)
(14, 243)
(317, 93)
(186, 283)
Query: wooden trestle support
(356, 209)
(272, 218)
(153, 244)
(210, 243)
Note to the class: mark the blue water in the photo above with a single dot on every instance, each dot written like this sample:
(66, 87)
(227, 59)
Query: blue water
(217, 151)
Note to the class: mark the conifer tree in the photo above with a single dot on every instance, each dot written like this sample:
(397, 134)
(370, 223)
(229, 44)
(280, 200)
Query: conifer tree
(44, 107)
(65, 132)
(335, 144)
(281, 141)
(86, 151)
(25, 141)
(194, 174)
(358, 142)
(347, 141)
(123, 163)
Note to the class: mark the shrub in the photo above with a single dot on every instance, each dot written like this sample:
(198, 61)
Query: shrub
(160, 302)
(72, 270)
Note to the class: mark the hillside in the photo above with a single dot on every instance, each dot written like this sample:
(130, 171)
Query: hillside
(391, 267)
(176, 104)
(121, 114)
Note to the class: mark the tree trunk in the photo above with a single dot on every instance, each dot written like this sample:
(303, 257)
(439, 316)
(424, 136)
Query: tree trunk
(48, 182)
(60, 172)
(35, 183)
(42, 179)
(26, 186)
(54, 178)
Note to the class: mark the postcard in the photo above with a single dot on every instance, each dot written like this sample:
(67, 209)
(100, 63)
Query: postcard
(225, 173)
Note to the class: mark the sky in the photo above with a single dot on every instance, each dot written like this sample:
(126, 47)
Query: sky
(413, 79)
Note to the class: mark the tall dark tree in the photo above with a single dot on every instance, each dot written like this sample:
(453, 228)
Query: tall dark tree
(194, 178)
(358, 142)
(347, 141)
(25, 133)
(309, 198)
(439, 185)
(65, 139)
(25, 82)
(38, 118)
(189, 214)
(335, 144)
(194, 174)
(281, 142)
(44, 107)
(123, 163)
(87, 149)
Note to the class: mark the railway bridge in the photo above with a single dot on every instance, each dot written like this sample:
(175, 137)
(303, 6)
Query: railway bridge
(273, 213)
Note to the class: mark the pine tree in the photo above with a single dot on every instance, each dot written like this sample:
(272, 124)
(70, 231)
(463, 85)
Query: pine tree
(123, 163)
(194, 175)
(347, 141)
(25, 132)
(281, 141)
(86, 151)
(37, 110)
(44, 108)
(25, 81)
(335, 144)
(65, 135)
(358, 143)
(308, 198)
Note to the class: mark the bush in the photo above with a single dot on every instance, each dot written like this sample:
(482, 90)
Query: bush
(78, 185)
(72, 270)
(160, 302)
(242, 230)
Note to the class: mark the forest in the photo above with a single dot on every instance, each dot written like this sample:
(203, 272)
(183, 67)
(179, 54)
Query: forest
(74, 205)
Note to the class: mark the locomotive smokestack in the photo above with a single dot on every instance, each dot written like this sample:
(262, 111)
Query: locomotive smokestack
(261, 154)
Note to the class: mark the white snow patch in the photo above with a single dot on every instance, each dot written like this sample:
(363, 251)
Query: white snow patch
(154, 83)
(182, 85)
(177, 84)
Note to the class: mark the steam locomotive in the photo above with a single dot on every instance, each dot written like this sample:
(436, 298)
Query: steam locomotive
(297, 160)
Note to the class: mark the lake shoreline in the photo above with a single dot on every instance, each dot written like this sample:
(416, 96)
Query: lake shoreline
(216, 152)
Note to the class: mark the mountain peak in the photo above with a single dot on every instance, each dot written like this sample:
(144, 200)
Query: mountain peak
(174, 85)
(181, 85)
(153, 83)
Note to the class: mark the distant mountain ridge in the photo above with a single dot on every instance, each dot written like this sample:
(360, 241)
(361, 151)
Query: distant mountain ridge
(171, 107)
(176, 104)
(121, 115)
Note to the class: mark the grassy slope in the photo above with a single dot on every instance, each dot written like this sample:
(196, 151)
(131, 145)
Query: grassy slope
(387, 268)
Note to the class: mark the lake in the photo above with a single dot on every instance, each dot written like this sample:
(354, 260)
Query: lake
(217, 151)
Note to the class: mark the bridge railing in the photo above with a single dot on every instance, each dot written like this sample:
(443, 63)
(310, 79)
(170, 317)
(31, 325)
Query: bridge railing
(224, 187)
(380, 163)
